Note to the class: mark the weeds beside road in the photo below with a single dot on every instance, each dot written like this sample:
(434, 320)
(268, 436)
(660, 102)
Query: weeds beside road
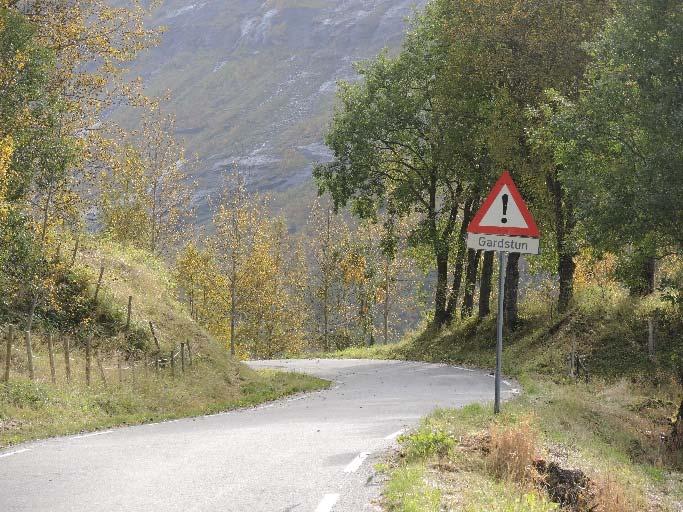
(469, 460)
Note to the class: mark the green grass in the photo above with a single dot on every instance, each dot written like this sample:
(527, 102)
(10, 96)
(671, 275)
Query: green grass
(407, 491)
(35, 410)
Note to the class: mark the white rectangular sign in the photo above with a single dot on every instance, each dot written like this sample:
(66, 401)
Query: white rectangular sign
(520, 244)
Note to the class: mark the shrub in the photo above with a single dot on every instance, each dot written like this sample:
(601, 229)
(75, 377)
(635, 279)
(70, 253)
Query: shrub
(425, 443)
(22, 393)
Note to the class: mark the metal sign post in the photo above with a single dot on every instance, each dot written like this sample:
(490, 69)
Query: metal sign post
(502, 258)
(503, 224)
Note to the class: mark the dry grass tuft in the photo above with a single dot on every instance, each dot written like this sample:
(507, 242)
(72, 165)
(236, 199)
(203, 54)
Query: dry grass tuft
(512, 451)
(607, 495)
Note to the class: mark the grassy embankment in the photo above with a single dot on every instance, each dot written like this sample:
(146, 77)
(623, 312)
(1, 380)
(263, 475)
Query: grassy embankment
(214, 382)
(609, 427)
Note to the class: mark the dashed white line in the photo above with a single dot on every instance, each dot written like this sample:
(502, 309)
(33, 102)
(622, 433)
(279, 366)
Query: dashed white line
(353, 466)
(15, 452)
(328, 501)
(393, 436)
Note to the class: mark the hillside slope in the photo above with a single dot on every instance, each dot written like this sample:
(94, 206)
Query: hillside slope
(254, 82)
(142, 390)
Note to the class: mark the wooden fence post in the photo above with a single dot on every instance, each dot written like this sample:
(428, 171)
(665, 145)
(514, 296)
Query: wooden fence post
(99, 365)
(172, 363)
(130, 308)
(67, 359)
(51, 354)
(651, 338)
(88, 360)
(118, 365)
(189, 354)
(99, 283)
(131, 361)
(29, 355)
(154, 335)
(8, 360)
(182, 357)
(73, 255)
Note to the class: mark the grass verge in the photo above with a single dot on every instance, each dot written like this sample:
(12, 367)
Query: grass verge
(33, 410)
(478, 462)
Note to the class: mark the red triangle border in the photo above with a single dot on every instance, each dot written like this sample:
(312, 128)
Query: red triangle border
(476, 227)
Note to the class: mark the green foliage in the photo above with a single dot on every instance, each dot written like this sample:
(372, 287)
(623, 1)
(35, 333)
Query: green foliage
(23, 393)
(424, 443)
(618, 144)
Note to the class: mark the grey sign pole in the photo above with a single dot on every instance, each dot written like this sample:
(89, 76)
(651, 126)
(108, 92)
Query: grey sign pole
(502, 257)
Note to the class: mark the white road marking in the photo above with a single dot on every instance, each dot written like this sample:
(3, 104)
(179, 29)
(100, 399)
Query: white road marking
(462, 368)
(326, 504)
(92, 434)
(353, 466)
(507, 383)
(393, 436)
(15, 452)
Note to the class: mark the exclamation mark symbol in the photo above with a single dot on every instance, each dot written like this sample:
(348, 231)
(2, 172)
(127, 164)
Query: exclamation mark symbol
(504, 220)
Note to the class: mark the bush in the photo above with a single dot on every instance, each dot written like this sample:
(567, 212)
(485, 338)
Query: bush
(22, 393)
(425, 443)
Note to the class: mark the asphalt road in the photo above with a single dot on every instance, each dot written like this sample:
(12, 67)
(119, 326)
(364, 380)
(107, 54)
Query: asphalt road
(309, 453)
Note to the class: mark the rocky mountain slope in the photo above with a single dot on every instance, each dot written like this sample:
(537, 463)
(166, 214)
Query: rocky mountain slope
(253, 81)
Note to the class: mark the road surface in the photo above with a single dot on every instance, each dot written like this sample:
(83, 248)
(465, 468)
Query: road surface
(309, 453)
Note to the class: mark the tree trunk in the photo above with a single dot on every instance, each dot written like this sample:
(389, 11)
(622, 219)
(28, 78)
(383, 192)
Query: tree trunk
(512, 291)
(440, 313)
(674, 440)
(326, 342)
(564, 225)
(233, 302)
(153, 238)
(326, 281)
(566, 267)
(385, 312)
(485, 286)
(32, 311)
(649, 275)
(459, 264)
(473, 258)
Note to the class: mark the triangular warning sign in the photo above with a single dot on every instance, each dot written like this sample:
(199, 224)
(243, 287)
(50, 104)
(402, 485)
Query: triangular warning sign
(504, 212)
